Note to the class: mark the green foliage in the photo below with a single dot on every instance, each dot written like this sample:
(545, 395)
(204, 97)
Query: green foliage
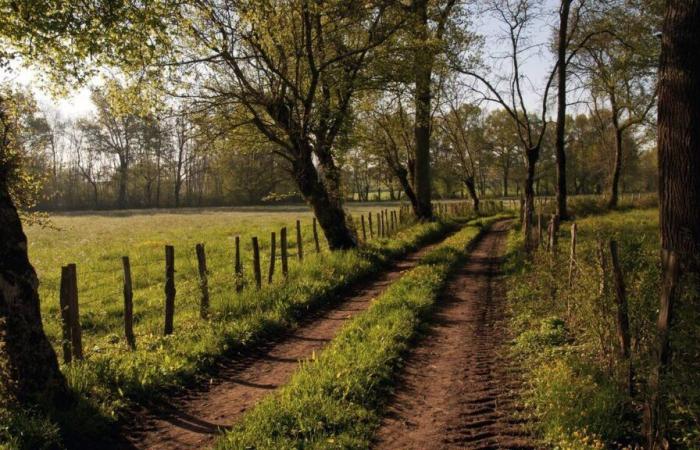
(335, 399)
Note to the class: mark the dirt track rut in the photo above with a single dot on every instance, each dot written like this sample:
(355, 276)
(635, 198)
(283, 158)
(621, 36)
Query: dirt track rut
(458, 389)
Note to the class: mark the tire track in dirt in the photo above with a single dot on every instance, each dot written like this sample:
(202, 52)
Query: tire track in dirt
(458, 389)
(194, 419)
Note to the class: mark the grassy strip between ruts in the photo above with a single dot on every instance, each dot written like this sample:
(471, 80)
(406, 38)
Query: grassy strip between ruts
(114, 377)
(335, 399)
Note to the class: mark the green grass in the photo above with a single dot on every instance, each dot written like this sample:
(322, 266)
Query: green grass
(566, 337)
(112, 377)
(335, 399)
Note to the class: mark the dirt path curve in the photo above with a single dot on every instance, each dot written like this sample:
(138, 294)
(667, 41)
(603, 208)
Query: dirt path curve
(458, 389)
(194, 420)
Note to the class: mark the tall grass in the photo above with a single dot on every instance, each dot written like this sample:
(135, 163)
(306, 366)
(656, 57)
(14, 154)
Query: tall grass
(567, 337)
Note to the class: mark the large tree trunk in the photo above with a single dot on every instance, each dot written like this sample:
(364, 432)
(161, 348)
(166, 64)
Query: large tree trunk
(561, 111)
(423, 72)
(29, 370)
(679, 180)
(617, 166)
(325, 199)
(471, 187)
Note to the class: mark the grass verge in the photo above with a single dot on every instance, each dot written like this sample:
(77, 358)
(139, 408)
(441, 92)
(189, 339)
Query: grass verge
(577, 380)
(335, 399)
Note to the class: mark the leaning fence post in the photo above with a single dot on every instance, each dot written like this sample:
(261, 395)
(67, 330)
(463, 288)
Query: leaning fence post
(273, 255)
(300, 248)
(256, 263)
(128, 305)
(238, 268)
(203, 281)
(369, 219)
(169, 288)
(318, 246)
(75, 332)
(572, 254)
(364, 231)
(65, 315)
(283, 251)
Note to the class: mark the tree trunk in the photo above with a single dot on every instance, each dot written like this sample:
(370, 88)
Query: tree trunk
(679, 182)
(402, 175)
(326, 201)
(532, 155)
(471, 187)
(123, 186)
(29, 370)
(561, 111)
(505, 180)
(423, 71)
(617, 167)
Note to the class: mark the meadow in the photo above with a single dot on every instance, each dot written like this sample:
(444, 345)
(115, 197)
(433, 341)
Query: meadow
(96, 241)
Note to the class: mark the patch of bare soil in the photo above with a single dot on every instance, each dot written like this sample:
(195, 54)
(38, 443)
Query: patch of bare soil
(458, 388)
(193, 420)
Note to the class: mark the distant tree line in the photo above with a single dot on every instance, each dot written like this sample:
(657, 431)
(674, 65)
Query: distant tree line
(174, 157)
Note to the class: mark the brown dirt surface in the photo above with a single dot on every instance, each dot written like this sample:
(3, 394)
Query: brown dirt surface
(458, 389)
(194, 419)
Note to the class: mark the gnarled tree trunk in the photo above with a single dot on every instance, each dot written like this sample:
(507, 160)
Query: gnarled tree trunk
(325, 199)
(532, 155)
(29, 370)
(423, 73)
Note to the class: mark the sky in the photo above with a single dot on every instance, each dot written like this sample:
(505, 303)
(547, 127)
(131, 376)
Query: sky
(78, 104)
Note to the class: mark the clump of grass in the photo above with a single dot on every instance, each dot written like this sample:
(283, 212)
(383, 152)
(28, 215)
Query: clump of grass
(335, 399)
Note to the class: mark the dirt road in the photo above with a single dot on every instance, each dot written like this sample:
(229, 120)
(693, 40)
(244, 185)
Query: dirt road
(194, 420)
(458, 389)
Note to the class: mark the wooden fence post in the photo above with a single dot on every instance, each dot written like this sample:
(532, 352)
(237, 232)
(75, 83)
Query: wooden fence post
(203, 281)
(300, 248)
(623, 327)
(169, 288)
(75, 332)
(256, 263)
(364, 231)
(273, 252)
(318, 246)
(238, 268)
(572, 254)
(554, 236)
(539, 229)
(369, 218)
(128, 305)
(283, 251)
(64, 301)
